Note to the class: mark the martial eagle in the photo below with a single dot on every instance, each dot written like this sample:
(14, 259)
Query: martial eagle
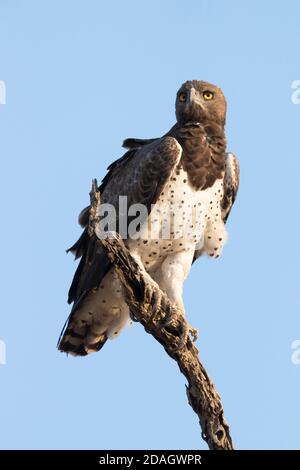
(188, 174)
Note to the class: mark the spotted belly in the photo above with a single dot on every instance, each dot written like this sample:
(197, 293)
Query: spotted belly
(182, 219)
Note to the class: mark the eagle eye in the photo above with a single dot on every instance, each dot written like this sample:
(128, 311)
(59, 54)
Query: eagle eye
(208, 95)
(182, 96)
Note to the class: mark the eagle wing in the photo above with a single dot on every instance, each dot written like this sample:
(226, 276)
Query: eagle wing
(230, 188)
(230, 184)
(140, 176)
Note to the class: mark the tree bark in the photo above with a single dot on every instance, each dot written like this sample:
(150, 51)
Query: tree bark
(160, 318)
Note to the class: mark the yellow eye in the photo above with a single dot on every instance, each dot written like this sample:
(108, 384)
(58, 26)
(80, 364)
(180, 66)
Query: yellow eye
(208, 95)
(182, 97)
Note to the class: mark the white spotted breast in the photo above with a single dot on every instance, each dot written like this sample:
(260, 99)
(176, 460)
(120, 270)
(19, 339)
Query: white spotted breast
(183, 218)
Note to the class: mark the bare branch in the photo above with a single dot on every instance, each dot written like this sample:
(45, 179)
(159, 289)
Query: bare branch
(151, 307)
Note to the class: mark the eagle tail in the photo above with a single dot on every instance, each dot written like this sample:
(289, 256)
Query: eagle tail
(79, 339)
(96, 316)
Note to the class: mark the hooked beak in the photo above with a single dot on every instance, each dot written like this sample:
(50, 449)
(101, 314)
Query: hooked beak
(194, 98)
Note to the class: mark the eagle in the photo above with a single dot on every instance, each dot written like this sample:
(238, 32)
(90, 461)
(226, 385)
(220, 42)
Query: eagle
(187, 182)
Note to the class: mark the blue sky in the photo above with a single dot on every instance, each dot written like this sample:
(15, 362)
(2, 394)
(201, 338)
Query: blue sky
(80, 77)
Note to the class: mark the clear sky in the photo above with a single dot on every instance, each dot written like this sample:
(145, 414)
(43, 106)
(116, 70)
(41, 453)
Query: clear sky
(81, 76)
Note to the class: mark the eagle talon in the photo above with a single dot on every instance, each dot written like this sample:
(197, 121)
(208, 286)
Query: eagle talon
(154, 298)
(187, 329)
(156, 301)
(171, 317)
(194, 333)
(184, 335)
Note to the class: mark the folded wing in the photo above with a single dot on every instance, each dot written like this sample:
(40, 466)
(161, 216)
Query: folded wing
(140, 176)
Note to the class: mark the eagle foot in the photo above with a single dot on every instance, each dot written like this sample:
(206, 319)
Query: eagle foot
(176, 315)
(172, 316)
(187, 330)
(155, 300)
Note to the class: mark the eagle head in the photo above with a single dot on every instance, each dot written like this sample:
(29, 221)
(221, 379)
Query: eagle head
(200, 101)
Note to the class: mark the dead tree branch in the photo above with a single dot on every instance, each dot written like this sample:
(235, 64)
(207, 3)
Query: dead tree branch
(151, 307)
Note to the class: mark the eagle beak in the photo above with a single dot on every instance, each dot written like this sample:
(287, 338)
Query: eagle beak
(194, 98)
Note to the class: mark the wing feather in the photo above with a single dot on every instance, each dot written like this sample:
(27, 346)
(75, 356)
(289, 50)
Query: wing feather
(231, 184)
(140, 176)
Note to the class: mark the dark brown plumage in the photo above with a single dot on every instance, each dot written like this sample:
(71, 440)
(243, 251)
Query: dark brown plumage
(203, 152)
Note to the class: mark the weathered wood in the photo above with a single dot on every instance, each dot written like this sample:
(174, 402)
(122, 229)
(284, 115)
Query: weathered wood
(152, 308)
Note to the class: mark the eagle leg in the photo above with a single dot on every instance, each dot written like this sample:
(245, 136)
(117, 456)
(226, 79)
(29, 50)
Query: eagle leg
(173, 315)
(154, 297)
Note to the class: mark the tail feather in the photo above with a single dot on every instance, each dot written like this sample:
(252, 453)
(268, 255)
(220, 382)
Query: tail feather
(79, 347)
(80, 340)
(97, 315)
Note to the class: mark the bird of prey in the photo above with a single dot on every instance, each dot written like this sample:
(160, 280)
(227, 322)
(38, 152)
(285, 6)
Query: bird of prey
(187, 173)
